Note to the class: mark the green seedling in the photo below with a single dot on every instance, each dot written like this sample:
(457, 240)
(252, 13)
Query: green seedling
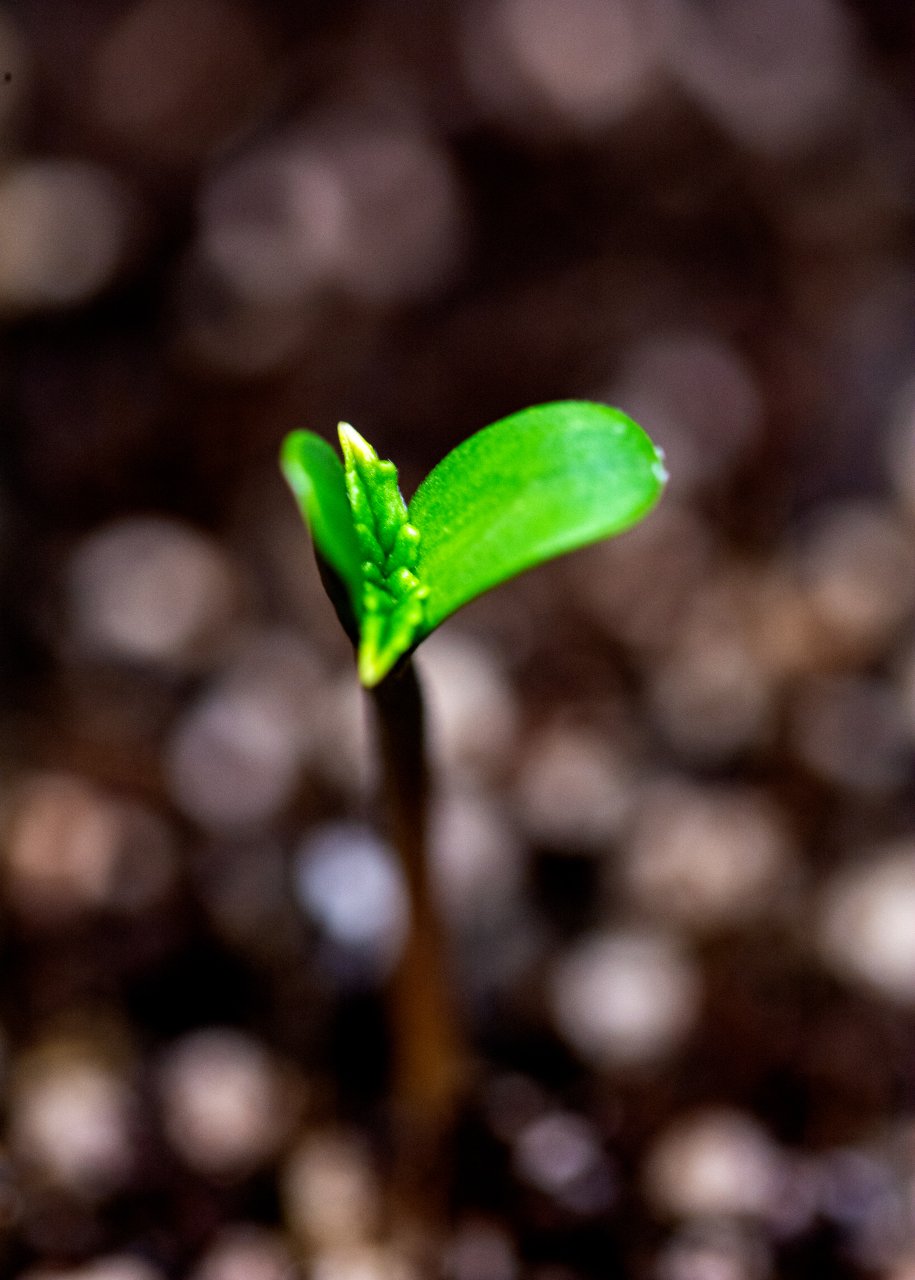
(530, 487)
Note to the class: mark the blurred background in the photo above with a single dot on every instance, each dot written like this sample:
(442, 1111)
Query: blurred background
(675, 819)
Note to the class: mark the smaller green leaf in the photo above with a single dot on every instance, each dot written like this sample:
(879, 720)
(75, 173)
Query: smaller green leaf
(391, 607)
(315, 474)
(530, 487)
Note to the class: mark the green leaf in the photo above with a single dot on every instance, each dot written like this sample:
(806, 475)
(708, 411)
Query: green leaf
(535, 485)
(391, 606)
(315, 474)
(530, 487)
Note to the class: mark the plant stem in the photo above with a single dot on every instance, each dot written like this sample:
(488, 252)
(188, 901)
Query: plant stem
(428, 1059)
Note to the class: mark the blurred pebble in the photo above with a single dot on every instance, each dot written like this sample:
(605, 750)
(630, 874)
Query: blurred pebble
(851, 731)
(472, 711)
(361, 1263)
(714, 1251)
(71, 1119)
(641, 586)
(476, 857)
(625, 999)
(329, 1192)
(170, 80)
(227, 1104)
(120, 1266)
(151, 589)
(236, 756)
(776, 76)
(220, 330)
(866, 921)
(480, 1250)
(350, 883)
(797, 1206)
(272, 223)
(863, 1192)
(701, 400)
(404, 211)
(369, 208)
(705, 857)
(583, 67)
(857, 564)
(714, 1163)
(710, 698)
(247, 1252)
(574, 790)
(64, 227)
(71, 847)
(902, 1269)
(784, 634)
(560, 1154)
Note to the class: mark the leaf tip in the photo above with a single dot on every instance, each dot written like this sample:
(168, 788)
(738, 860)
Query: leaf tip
(371, 670)
(374, 661)
(355, 447)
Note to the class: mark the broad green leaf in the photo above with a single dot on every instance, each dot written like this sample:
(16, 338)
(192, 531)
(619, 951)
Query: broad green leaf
(530, 487)
(315, 474)
(391, 605)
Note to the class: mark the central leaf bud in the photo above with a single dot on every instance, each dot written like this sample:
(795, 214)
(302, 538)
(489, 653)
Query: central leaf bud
(391, 606)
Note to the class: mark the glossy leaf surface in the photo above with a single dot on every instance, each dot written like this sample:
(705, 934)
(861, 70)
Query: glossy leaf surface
(530, 487)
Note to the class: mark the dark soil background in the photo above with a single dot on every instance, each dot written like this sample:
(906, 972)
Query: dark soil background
(675, 819)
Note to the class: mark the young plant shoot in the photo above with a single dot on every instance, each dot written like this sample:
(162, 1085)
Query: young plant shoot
(528, 488)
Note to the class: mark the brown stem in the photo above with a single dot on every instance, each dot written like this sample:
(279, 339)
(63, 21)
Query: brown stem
(428, 1066)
